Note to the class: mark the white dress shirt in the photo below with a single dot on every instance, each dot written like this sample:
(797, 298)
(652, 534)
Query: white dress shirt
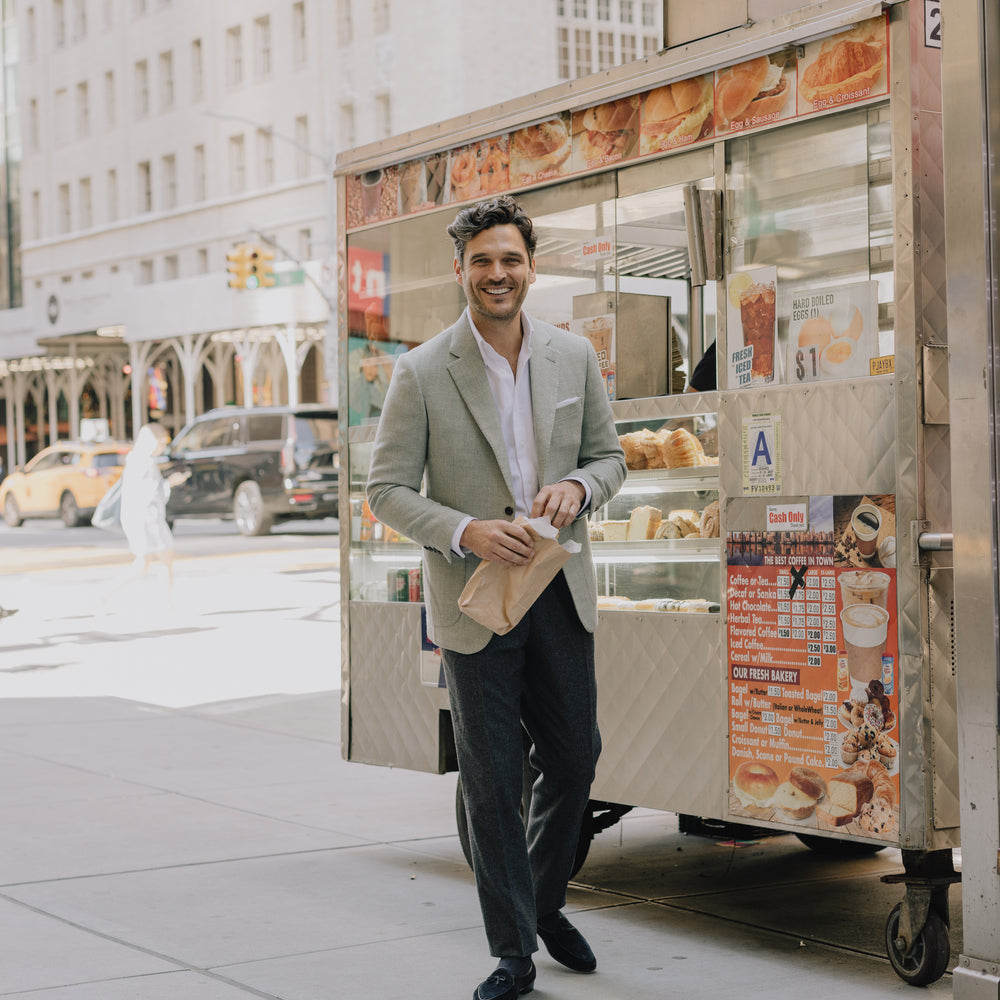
(512, 395)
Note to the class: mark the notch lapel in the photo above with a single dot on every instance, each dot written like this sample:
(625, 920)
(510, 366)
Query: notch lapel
(544, 389)
(469, 375)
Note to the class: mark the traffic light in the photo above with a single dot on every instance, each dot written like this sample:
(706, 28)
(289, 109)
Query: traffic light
(261, 270)
(239, 266)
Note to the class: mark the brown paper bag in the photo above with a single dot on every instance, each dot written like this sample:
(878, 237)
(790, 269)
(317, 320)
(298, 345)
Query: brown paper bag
(498, 595)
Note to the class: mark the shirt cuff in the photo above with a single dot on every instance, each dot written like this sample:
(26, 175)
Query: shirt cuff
(586, 490)
(456, 539)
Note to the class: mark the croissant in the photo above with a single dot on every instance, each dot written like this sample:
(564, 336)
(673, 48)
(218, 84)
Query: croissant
(541, 139)
(680, 449)
(846, 67)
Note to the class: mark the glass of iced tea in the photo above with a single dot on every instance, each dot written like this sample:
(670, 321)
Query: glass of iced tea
(757, 319)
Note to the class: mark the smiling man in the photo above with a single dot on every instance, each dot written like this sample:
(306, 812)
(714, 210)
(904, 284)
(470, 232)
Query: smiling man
(498, 416)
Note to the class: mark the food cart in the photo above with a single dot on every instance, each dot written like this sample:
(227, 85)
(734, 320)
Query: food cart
(775, 621)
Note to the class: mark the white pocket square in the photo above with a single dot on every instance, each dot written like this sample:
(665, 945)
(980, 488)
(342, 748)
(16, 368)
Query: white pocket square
(567, 402)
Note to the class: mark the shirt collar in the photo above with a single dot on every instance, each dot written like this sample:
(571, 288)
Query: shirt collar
(488, 353)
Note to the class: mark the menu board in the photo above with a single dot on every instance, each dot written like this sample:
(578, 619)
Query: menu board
(813, 663)
(794, 82)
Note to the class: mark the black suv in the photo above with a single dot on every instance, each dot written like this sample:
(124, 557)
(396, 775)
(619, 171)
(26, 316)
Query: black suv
(258, 465)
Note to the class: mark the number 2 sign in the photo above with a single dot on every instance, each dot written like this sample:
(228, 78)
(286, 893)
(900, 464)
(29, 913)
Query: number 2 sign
(932, 24)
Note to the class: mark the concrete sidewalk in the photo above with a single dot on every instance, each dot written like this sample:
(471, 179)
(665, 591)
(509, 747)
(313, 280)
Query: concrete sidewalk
(228, 851)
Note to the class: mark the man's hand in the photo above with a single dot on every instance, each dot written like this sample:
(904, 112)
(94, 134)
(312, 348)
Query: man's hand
(560, 502)
(498, 541)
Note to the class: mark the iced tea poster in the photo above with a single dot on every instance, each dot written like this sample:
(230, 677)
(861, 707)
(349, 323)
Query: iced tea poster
(814, 663)
(832, 332)
(751, 328)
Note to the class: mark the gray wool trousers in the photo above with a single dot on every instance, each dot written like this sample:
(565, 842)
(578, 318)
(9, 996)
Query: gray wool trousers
(539, 675)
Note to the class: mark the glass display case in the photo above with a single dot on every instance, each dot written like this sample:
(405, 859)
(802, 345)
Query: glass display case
(656, 545)
(384, 566)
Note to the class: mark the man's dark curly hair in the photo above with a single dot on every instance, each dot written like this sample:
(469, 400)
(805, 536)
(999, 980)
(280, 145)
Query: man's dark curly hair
(504, 210)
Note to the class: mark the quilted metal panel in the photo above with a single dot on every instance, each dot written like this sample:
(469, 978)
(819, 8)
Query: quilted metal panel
(662, 712)
(393, 717)
(836, 437)
(944, 705)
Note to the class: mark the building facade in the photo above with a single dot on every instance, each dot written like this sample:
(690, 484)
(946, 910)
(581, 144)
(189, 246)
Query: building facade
(144, 139)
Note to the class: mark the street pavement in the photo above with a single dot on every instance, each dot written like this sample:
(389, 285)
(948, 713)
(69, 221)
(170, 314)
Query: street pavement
(156, 849)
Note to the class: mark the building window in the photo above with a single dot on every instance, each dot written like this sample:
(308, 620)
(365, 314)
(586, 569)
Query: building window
(171, 267)
(62, 116)
(234, 56)
(564, 53)
(348, 134)
(197, 71)
(141, 89)
(648, 14)
(145, 191)
(605, 50)
(145, 272)
(302, 144)
(305, 244)
(603, 10)
(199, 173)
(262, 48)
(36, 214)
(109, 13)
(82, 110)
(112, 196)
(58, 23)
(381, 17)
(584, 65)
(169, 167)
(166, 81)
(628, 48)
(580, 8)
(79, 20)
(64, 209)
(30, 34)
(650, 45)
(33, 142)
(110, 104)
(345, 28)
(265, 158)
(383, 115)
(237, 164)
(299, 47)
(86, 206)
(626, 14)
(201, 261)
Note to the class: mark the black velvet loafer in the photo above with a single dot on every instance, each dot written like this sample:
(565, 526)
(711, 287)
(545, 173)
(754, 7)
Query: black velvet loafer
(565, 943)
(504, 985)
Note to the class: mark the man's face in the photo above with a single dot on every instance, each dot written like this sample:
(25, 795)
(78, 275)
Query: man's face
(496, 273)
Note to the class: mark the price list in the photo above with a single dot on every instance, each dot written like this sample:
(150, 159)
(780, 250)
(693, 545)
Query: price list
(782, 631)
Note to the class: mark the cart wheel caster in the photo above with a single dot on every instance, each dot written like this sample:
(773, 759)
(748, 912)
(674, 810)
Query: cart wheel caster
(926, 960)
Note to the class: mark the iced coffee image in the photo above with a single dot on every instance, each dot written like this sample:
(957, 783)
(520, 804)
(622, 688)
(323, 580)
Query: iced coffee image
(864, 586)
(866, 628)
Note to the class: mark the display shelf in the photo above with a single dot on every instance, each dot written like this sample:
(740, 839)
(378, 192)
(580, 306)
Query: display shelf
(659, 550)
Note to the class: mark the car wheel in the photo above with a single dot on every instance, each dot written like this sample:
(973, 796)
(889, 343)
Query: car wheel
(69, 511)
(11, 512)
(248, 510)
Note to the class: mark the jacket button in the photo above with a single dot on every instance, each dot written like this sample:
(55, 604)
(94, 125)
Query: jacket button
(508, 511)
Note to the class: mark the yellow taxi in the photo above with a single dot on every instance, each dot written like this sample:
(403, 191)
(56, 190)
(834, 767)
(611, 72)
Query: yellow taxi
(65, 480)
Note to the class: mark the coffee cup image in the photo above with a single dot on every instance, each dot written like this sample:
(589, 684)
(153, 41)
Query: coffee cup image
(864, 586)
(866, 522)
(866, 628)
